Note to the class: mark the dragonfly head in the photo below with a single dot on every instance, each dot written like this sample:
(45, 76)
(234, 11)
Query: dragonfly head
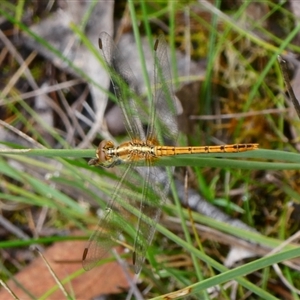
(105, 155)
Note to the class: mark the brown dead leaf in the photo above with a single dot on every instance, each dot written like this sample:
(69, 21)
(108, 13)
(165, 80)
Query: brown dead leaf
(106, 279)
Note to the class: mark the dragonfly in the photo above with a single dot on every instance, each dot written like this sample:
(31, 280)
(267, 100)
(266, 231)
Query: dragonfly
(143, 147)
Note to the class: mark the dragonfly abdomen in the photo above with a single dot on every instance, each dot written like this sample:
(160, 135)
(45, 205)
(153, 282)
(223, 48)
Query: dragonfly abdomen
(170, 151)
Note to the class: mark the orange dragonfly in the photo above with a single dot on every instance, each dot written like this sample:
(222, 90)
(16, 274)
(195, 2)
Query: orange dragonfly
(141, 148)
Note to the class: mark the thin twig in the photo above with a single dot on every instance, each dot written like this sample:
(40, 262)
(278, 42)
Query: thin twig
(287, 82)
(5, 286)
(240, 115)
(51, 271)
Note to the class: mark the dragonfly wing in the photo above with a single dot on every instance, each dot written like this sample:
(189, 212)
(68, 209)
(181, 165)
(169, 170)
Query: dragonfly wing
(102, 240)
(164, 101)
(150, 210)
(109, 230)
(124, 84)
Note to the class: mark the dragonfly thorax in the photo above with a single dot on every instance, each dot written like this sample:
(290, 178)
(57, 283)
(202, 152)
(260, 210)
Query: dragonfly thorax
(136, 150)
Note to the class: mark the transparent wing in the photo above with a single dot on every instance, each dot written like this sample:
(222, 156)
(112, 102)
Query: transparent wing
(103, 239)
(150, 210)
(113, 223)
(163, 105)
(163, 117)
(130, 211)
(109, 230)
(124, 84)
